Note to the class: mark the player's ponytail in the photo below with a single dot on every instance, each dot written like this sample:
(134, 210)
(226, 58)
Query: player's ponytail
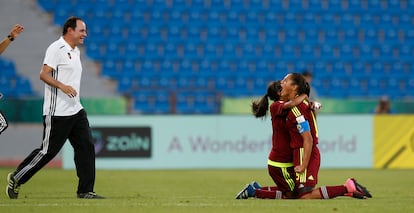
(260, 107)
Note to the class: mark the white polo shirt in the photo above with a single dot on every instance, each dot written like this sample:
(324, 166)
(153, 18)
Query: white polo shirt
(67, 68)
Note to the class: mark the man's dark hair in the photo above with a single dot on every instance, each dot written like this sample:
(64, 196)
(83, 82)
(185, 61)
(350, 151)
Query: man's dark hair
(70, 23)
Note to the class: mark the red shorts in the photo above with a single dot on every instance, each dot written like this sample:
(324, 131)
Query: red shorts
(307, 181)
(284, 178)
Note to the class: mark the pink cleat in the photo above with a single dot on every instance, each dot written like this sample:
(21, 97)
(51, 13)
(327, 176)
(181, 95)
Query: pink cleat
(356, 190)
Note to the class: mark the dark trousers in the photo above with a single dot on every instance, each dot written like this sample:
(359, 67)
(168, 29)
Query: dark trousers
(56, 130)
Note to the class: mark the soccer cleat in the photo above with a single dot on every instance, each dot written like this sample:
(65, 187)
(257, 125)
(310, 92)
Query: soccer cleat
(89, 195)
(256, 185)
(12, 189)
(246, 192)
(361, 189)
(356, 190)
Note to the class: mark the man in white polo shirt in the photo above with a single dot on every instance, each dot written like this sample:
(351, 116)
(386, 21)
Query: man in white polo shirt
(63, 115)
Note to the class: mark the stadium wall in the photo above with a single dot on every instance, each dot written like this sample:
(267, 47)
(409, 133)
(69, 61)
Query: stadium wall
(189, 142)
(355, 141)
(29, 110)
(242, 105)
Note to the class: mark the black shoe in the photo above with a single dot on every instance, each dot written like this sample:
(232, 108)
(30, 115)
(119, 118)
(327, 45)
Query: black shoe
(89, 195)
(361, 189)
(356, 190)
(12, 189)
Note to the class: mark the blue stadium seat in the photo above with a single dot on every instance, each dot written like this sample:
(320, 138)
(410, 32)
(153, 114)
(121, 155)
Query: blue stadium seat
(61, 14)
(23, 86)
(5, 83)
(111, 69)
(125, 85)
(122, 5)
(47, 5)
(147, 99)
(95, 49)
(406, 52)
(112, 51)
(7, 68)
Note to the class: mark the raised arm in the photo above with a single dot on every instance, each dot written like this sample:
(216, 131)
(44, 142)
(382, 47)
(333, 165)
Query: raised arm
(15, 31)
(296, 101)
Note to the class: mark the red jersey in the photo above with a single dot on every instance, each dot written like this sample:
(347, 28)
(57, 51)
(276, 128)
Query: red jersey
(281, 151)
(303, 109)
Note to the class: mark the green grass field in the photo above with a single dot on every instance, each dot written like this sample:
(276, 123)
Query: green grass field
(53, 190)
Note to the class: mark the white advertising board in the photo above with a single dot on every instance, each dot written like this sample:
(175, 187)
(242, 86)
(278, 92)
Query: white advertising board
(197, 142)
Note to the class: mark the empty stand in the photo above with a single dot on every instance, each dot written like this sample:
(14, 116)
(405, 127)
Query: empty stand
(196, 50)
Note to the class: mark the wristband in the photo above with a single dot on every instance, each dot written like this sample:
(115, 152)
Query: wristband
(10, 38)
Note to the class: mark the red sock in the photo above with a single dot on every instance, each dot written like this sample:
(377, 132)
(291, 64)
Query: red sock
(329, 192)
(268, 192)
(269, 188)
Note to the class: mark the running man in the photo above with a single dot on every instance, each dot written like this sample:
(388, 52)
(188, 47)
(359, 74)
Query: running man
(63, 115)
